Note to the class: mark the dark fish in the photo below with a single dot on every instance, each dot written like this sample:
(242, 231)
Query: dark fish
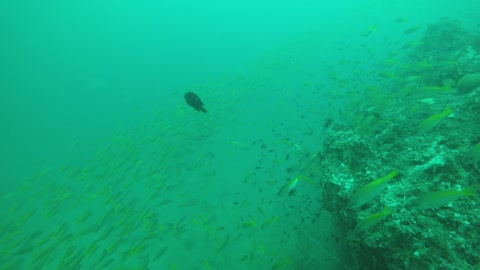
(194, 101)
(327, 123)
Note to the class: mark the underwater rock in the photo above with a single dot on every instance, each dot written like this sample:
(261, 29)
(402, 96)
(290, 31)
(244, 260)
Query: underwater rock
(468, 83)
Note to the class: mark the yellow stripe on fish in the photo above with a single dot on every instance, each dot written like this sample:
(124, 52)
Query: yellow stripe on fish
(288, 188)
(370, 190)
(432, 121)
(441, 198)
(372, 220)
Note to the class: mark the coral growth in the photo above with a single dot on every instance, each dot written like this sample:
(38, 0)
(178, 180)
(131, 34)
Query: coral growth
(438, 238)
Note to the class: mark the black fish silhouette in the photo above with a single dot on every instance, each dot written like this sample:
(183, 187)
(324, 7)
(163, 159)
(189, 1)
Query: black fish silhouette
(194, 101)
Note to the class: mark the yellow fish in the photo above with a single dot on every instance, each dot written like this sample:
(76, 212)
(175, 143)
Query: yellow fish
(370, 190)
(289, 187)
(432, 121)
(369, 31)
(223, 243)
(441, 198)
(372, 220)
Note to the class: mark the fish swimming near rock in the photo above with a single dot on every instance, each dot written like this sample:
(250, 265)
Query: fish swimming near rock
(440, 198)
(194, 101)
(370, 190)
(432, 121)
(372, 220)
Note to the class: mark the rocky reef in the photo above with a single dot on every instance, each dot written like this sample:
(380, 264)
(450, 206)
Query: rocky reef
(443, 237)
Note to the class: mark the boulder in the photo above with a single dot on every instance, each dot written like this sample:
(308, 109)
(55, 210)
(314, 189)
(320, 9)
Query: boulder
(468, 83)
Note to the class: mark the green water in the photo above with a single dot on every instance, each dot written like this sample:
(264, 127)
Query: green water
(104, 165)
